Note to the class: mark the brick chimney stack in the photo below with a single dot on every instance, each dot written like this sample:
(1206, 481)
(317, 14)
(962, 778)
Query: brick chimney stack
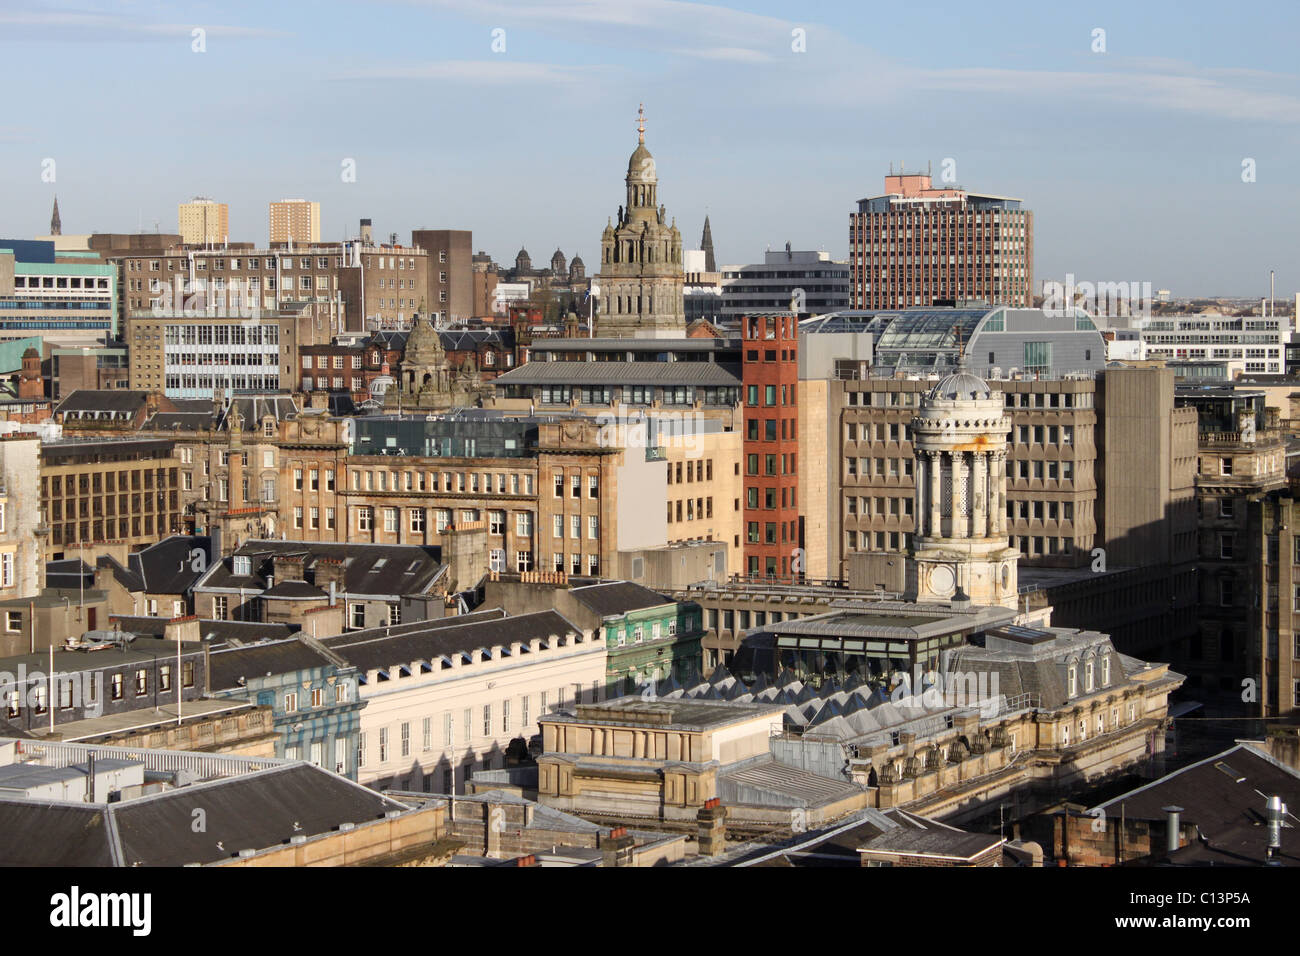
(712, 821)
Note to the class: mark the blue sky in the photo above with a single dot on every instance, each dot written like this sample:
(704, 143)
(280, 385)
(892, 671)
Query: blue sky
(1130, 158)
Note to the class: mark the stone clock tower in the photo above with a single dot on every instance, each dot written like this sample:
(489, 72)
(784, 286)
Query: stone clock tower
(641, 277)
(960, 545)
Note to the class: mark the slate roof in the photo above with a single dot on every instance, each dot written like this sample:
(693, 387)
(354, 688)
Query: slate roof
(167, 567)
(226, 665)
(71, 573)
(102, 400)
(369, 569)
(372, 650)
(252, 811)
(465, 340)
(217, 632)
(1221, 795)
(180, 421)
(253, 408)
(702, 374)
(618, 597)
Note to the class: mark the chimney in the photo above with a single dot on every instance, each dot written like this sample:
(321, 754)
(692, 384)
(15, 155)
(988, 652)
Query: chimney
(529, 860)
(184, 629)
(329, 575)
(616, 847)
(1276, 813)
(287, 567)
(712, 828)
(366, 236)
(1172, 835)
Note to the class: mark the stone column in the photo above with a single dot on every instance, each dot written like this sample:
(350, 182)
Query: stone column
(997, 493)
(979, 495)
(959, 516)
(934, 468)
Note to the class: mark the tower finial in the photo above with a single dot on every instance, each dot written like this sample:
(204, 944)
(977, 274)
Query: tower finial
(640, 124)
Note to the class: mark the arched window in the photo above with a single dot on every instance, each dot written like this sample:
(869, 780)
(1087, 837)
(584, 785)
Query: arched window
(1088, 676)
(1072, 682)
(1105, 671)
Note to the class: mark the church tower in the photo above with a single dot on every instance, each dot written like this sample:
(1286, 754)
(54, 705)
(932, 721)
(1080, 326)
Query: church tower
(641, 259)
(56, 224)
(960, 548)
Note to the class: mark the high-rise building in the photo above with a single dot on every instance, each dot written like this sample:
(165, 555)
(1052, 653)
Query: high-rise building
(203, 221)
(641, 276)
(918, 245)
(295, 220)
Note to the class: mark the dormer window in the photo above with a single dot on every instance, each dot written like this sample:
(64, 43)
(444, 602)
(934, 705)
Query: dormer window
(268, 428)
(243, 565)
(1072, 683)
(1105, 671)
(1087, 676)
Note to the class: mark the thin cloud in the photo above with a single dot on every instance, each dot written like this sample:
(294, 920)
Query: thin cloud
(481, 72)
(84, 25)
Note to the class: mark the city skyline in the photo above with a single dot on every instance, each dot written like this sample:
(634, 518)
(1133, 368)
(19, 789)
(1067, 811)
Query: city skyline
(1029, 111)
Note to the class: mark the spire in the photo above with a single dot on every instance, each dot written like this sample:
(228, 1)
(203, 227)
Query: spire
(706, 243)
(640, 124)
(56, 224)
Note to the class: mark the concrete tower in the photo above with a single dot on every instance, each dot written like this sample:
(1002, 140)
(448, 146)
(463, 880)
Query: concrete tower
(641, 259)
(960, 548)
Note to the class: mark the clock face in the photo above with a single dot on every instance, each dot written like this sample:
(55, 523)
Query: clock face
(941, 580)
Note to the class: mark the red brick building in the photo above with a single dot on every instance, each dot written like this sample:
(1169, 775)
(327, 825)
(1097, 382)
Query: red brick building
(771, 380)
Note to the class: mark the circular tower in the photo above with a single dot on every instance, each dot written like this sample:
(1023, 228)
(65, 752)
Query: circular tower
(960, 439)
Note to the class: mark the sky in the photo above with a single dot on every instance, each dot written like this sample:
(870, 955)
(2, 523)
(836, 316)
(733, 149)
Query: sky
(1161, 149)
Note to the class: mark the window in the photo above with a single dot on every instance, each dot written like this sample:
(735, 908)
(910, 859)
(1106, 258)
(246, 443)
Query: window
(6, 570)
(505, 716)
(593, 527)
(365, 518)
(487, 720)
(1072, 683)
(390, 519)
(357, 615)
(427, 734)
(383, 744)
(593, 489)
(141, 682)
(417, 520)
(291, 702)
(406, 739)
